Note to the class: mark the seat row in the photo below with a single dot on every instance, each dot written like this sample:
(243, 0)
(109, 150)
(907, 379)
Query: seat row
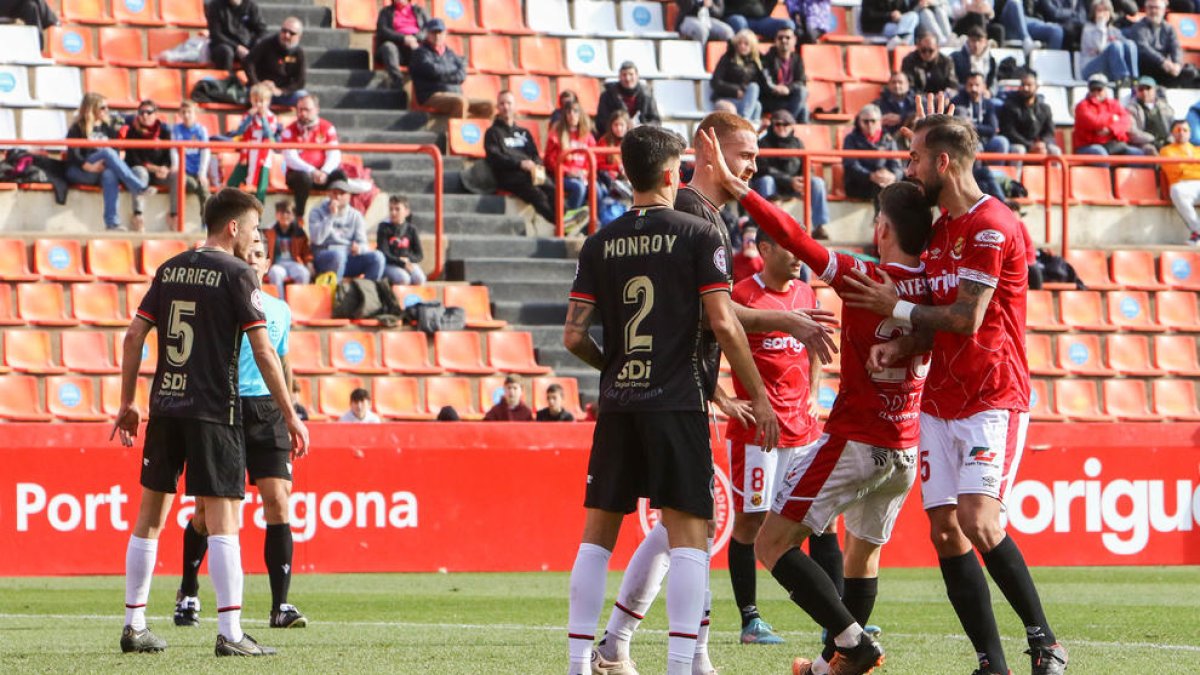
(1119, 354)
(1125, 400)
(1138, 311)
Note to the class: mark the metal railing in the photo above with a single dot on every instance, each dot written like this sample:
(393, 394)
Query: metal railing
(180, 147)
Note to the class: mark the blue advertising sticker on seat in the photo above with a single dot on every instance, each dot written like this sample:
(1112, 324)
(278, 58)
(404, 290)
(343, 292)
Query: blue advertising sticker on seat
(1033, 398)
(7, 82)
(497, 395)
(471, 133)
(353, 352)
(1181, 269)
(72, 42)
(69, 395)
(1130, 308)
(641, 16)
(454, 9)
(1188, 27)
(585, 53)
(59, 258)
(826, 396)
(135, 6)
(145, 351)
(1078, 353)
(530, 90)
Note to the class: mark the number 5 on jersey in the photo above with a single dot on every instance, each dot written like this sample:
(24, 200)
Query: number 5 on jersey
(179, 328)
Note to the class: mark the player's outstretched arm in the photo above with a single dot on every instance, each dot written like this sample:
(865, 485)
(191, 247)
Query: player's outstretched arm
(131, 360)
(268, 365)
(812, 327)
(964, 316)
(576, 337)
(724, 324)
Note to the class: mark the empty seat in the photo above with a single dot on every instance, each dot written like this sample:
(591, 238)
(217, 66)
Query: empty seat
(1176, 355)
(476, 302)
(1180, 269)
(22, 44)
(111, 83)
(1039, 352)
(1135, 270)
(823, 102)
(157, 251)
(97, 304)
(493, 54)
(88, 352)
(59, 260)
(43, 305)
(814, 136)
(570, 388)
(1176, 310)
(596, 17)
(1186, 28)
(867, 63)
(1053, 66)
(30, 351)
(312, 305)
(1038, 184)
(459, 15)
(407, 294)
(824, 62)
(1081, 355)
(112, 259)
(354, 352)
(136, 12)
(541, 55)
(551, 17)
(161, 85)
(677, 98)
(1092, 185)
(684, 58)
(450, 391)
(14, 87)
(149, 356)
(185, 13)
(333, 395)
(512, 352)
(1129, 355)
(159, 40)
(1137, 185)
(856, 95)
(1060, 110)
(1040, 313)
(43, 125)
(305, 353)
(134, 293)
(1126, 400)
(1040, 409)
(588, 57)
(8, 313)
(1176, 399)
(465, 137)
(1130, 310)
(644, 19)
(408, 352)
(1077, 401)
(459, 352)
(72, 398)
(713, 51)
(641, 53)
(491, 391)
(356, 14)
(20, 400)
(1082, 310)
(58, 86)
(399, 398)
(486, 87)
(123, 47)
(586, 88)
(71, 46)
(533, 95)
(503, 16)
(90, 12)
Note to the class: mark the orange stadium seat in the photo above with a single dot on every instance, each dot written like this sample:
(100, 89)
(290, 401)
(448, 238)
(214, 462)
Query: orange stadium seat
(112, 259)
(88, 352)
(541, 55)
(30, 351)
(111, 83)
(186, 13)
(8, 316)
(512, 352)
(1137, 186)
(814, 136)
(898, 54)
(89, 12)
(136, 12)
(491, 390)
(407, 294)
(305, 398)
(1092, 185)
(306, 355)
(161, 85)
(1126, 400)
(72, 46)
(1129, 355)
(1176, 310)
(1035, 181)
(843, 25)
(1040, 312)
(476, 302)
(586, 88)
(43, 304)
(408, 352)
(1039, 403)
(1040, 354)
(824, 62)
(828, 299)
(493, 54)
(1130, 310)
(450, 391)
(1180, 269)
(1176, 355)
(1176, 400)
(97, 304)
(459, 15)
(459, 352)
(1186, 27)
(123, 47)
(149, 353)
(133, 297)
(535, 132)
(855, 95)
(713, 51)
(532, 94)
(486, 87)
(1135, 270)
(157, 251)
(59, 260)
(333, 394)
(1077, 401)
(354, 352)
(159, 40)
(357, 14)
(867, 63)
(399, 398)
(1082, 310)
(1081, 355)
(465, 137)
(570, 388)
(1091, 266)
(823, 102)
(14, 261)
(503, 16)
(20, 400)
(72, 398)
(312, 305)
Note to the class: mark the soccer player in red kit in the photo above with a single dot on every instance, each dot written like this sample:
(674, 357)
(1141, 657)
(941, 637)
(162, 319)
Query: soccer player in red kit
(975, 411)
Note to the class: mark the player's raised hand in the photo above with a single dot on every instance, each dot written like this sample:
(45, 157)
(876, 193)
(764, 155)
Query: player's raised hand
(299, 434)
(765, 423)
(716, 167)
(864, 292)
(815, 333)
(929, 104)
(126, 424)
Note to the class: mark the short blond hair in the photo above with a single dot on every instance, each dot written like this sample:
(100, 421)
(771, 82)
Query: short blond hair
(262, 90)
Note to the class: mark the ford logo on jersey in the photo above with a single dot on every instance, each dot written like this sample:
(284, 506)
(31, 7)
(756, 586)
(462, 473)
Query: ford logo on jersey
(58, 258)
(354, 353)
(585, 53)
(69, 395)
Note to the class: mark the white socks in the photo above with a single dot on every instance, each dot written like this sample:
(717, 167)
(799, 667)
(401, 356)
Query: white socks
(587, 601)
(685, 606)
(849, 637)
(642, 581)
(702, 636)
(139, 571)
(225, 568)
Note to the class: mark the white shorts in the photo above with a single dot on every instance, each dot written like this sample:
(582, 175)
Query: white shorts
(976, 455)
(756, 475)
(866, 483)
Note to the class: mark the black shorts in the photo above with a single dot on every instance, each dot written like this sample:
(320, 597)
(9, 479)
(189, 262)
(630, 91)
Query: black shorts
(662, 455)
(213, 454)
(268, 445)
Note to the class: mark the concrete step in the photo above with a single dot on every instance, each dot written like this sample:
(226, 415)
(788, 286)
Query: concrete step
(465, 247)
(531, 313)
(362, 121)
(390, 161)
(529, 291)
(490, 270)
(357, 134)
(324, 57)
(340, 77)
(326, 37)
(463, 204)
(312, 15)
(357, 98)
(418, 183)
(472, 223)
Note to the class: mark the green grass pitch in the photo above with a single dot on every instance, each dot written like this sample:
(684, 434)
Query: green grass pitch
(1113, 620)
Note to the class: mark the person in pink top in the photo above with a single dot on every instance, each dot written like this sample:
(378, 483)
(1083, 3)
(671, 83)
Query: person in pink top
(399, 30)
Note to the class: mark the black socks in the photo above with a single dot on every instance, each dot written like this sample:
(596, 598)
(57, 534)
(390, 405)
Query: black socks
(825, 550)
(277, 553)
(969, 595)
(1008, 569)
(811, 589)
(743, 569)
(195, 546)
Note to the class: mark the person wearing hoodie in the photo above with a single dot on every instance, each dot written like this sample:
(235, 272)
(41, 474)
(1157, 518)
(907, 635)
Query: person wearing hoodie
(630, 94)
(234, 27)
(1027, 121)
(279, 61)
(513, 157)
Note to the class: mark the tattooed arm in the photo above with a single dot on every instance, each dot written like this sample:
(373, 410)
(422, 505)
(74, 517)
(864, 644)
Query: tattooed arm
(964, 316)
(576, 337)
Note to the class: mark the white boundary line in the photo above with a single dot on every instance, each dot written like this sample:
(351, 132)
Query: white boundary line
(116, 618)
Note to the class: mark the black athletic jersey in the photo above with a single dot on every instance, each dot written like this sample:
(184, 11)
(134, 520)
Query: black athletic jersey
(646, 272)
(689, 200)
(201, 302)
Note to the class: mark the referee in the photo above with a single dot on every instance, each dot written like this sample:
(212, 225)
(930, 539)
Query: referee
(201, 302)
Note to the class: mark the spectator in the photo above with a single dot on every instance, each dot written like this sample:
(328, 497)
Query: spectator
(154, 167)
(610, 171)
(196, 161)
(280, 63)
(747, 261)
(513, 158)
(101, 166)
(738, 76)
(554, 410)
(37, 13)
(865, 177)
(573, 131)
(780, 177)
(1150, 117)
(399, 31)
(700, 20)
(1101, 124)
(974, 103)
(447, 414)
(301, 411)
(896, 20)
(929, 71)
(397, 238)
(360, 409)
(979, 14)
(1027, 121)
(287, 245)
(1070, 15)
(629, 94)
(1183, 180)
(783, 72)
(437, 75)
(1104, 49)
(813, 19)
(976, 57)
(258, 125)
(339, 237)
(565, 98)
(755, 15)
(1021, 21)
(307, 169)
(1159, 53)
(234, 27)
(897, 102)
(510, 408)
(1193, 120)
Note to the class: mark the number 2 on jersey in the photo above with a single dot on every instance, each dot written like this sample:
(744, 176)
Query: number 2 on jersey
(179, 328)
(638, 291)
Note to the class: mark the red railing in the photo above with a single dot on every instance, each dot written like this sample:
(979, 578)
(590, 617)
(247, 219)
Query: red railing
(223, 146)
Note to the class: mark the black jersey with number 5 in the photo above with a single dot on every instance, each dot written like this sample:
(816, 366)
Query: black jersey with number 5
(646, 272)
(201, 302)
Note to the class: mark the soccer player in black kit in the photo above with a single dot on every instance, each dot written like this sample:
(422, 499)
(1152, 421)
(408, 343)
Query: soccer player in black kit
(201, 301)
(648, 275)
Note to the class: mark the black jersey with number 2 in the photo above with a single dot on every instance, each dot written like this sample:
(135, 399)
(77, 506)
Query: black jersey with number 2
(646, 272)
(201, 302)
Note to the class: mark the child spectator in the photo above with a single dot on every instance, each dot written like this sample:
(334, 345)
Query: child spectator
(196, 161)
(554, 410)
(259, 124)
(510, 408)
(565, 98)
(288, 248)
(360, 409)
(397, 239)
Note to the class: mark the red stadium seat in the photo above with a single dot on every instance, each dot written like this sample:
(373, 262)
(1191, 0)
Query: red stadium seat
(72, 398)
(823, 102)
(43, 305)
(312, 305)
(149, 353)
(465, 137)
(334, 394)
(157, 251)
(570, 388)
(713, 51)
(30, 351)
(1176, 355)
(110, 395)
(1091, 266)
(486, 87)
(71, 46)
(59, 260)
(133, 298)
(97, 304)
(459, 352)
(1037, 183)
(408, 352)
(305, 397)
(113, 259)
(357, 14)
(8, 316)
(186, 13)
(1129, 355)
(1130, 310)
(1137, 186)
(828, 299)
(532, 94)
(855, 95)
(491, 390)
(814, 136)
(1039, 403)
(451, 391)
(1135, 270)
(1040, 313)
(1176, 310)
(459, 15)
(586, 88)
(1126, 400)
(159, 40)
(1186, 27)
(90, 12)
(541, 55)
(306, 354)
(1040, 355)
(1176, 400)
(1081, 355)
(136, 12)
(1077, 401)
(111, 83)
(1082, 310)
(493, 54)
(88, 352)
(399, 398)
(1180, 270)
(14, 261)
(476, 302)
(823, 62)
(407, 294)
(842, 28)
(161, 85)
(868, 63)
(512, 352)
(354, 352)
(123, 46)
(1092, 185)
(503, 16)
(20, 400)
(898, 54)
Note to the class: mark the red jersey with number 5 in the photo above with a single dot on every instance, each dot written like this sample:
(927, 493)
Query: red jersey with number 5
(987, 370)
(782, 361)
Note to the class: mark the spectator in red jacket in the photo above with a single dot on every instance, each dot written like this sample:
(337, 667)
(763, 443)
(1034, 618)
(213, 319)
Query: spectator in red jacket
(574, 131)
(1101, 124)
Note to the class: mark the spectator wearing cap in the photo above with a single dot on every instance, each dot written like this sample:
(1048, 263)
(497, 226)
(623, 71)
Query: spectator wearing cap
(783, 72)
(1104, 49)
(279, 62)
(437, 75)
(975, 57)
(1160, 54)
(866, 176)
(781, 177)
(630, 94)
(1183, 180)
(153, 166)
(513, 157)
(288, 248)
(700, 20)
(1101, 124)
(897, 102)
(307, 169)
(929, 71)
(1150, 117)
(1027, 121)
(399, 31)
(234, 27)
(339, 237)
(738, 76)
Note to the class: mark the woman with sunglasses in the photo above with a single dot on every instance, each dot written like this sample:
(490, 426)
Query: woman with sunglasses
(101, 166)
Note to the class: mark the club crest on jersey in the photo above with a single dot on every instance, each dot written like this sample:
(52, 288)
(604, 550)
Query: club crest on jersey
(957, 251)
(256, 299)
(720, 260)
(757, 499)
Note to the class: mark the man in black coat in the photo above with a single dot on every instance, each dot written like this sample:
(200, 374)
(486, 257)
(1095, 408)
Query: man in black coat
(234, 27)
(514, 159)
(629, 93)
(784, 73)
(279, 61)
(930, 71)
(1027, 121)
(438, 73)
